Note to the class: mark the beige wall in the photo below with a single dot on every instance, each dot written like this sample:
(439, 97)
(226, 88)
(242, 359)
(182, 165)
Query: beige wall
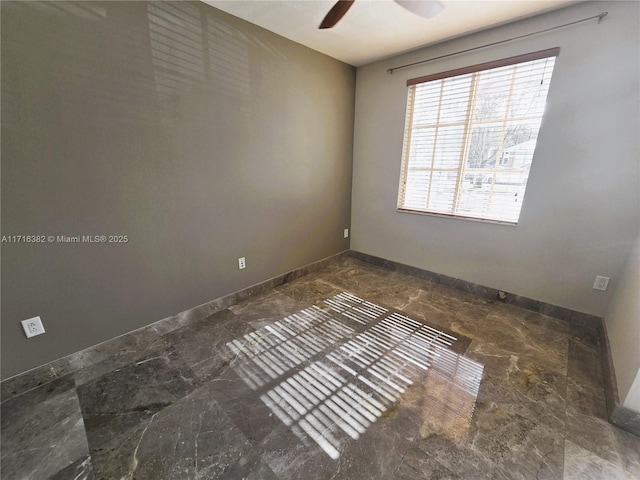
(623, 329)
(582, 208)
(199, 136)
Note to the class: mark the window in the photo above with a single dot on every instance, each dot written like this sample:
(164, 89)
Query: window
(470, 135)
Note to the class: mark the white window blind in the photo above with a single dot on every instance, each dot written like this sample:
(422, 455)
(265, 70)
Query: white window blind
(470, 135)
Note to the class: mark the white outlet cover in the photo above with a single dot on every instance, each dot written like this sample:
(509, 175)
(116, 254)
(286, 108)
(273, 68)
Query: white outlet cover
(346, 233)
(242, 264)
(601, 283)
(32, 327)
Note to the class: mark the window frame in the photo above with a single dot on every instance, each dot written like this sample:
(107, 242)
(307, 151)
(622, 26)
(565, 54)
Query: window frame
(409, 116)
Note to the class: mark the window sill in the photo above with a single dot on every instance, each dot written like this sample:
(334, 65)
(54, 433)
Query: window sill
(457, 217)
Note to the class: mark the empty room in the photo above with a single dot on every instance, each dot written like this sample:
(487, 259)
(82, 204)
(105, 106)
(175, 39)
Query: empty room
(298, 240)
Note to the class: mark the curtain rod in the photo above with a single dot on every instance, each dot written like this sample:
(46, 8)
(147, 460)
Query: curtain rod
(599, 17)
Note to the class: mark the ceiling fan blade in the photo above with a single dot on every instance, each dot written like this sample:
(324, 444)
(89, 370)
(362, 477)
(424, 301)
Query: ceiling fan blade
(424, 8)
(336, 13)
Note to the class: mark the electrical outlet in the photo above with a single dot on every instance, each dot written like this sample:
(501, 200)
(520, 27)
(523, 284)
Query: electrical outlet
(242, 263)
(346, 233)
(601, 283)
(32, 327)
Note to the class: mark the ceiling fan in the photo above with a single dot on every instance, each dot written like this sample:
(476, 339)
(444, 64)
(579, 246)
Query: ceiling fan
(424, 8)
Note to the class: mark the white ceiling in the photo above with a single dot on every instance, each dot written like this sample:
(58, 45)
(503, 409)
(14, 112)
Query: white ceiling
(375, 29)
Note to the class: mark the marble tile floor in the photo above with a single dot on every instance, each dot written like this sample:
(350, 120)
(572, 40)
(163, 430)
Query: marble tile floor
(350, 372)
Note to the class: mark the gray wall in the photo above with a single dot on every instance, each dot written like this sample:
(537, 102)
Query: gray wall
(199, 136)
(623, 329)
(581, 211)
